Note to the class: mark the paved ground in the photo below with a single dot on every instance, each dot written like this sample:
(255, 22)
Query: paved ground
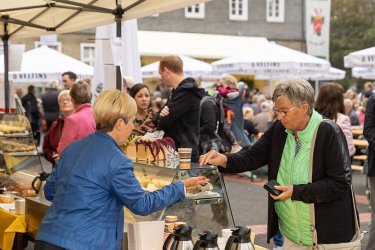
(249, 204)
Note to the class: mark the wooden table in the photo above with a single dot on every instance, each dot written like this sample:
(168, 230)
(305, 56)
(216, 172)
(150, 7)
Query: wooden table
(360, 143)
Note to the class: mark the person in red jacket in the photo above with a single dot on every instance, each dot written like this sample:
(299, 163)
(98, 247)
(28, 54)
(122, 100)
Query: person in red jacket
(81, 123)
(52, 137)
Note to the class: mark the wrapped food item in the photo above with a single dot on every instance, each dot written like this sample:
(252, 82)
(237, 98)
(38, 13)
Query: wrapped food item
(5, 198)
(199, 188)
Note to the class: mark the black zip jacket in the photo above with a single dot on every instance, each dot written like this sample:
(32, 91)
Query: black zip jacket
(369, 133)
(330, 187)
(182, 124)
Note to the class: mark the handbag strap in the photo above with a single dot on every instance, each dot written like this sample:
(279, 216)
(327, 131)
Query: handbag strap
(312, 207)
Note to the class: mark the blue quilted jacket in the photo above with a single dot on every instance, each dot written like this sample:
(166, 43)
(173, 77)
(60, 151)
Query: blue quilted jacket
(88, 188)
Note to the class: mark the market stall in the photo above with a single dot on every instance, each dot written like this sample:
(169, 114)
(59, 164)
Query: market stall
(206, 207)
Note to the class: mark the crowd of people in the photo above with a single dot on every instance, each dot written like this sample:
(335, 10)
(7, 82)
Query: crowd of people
(232, 127)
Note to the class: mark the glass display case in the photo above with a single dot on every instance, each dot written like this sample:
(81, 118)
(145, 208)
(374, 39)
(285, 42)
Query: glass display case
(19, 159)
(206, 207)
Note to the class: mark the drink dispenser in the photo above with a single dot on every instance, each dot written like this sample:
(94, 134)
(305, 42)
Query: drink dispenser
(207, 241)
(240, 239)
(180, 239)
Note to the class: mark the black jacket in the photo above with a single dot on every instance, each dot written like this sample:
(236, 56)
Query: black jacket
(30, 104)
(369, 133)
(330, 190)
(51, 105)
(209, 119)
(182, 123)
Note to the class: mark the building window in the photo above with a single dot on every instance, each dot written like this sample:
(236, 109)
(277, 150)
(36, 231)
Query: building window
(88, 53)
(195, 11)
(56, 45)
(238, 10)
(276, 11)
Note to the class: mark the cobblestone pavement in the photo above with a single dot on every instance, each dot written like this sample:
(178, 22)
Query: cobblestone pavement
(248, 201)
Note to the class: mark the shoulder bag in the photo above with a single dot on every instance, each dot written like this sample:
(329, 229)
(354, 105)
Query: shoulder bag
(355, 244)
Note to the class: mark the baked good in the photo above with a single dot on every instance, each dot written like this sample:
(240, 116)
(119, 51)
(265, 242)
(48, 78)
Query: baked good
(151, 148)
(5, 198)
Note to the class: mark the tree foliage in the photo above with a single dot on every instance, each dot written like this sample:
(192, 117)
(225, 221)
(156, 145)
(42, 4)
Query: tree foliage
(352, 28)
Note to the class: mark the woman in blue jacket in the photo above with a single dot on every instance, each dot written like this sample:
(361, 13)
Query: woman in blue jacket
(94, 179)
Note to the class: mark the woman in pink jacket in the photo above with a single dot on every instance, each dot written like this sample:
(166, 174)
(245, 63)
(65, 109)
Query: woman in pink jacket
(81, 123)
(330, 103)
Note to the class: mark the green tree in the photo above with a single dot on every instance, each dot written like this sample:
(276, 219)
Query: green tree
(352, 28)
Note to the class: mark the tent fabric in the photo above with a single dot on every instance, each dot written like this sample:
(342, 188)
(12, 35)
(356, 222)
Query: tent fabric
(42, 65)
(208, 46)
(332, 75)
(192, 68)
(361, 58)
(365, 73)
(271, 59)
(59, 17)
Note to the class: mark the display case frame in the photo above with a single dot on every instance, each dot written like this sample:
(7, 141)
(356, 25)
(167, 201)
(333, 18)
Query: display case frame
(210, 211)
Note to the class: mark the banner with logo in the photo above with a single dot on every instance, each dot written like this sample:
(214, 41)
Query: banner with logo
(317, 14)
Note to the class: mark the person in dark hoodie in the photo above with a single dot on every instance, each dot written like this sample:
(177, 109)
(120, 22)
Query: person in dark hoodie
(179, 118)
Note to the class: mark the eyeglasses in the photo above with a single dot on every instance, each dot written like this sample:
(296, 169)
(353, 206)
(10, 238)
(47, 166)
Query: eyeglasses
(283, 112)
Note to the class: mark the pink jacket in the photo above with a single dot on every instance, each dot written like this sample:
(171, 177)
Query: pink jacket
(77, 126)
(344, 123)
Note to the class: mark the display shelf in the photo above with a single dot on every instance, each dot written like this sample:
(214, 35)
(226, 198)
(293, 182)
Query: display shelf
(19, 153)
(19, 159)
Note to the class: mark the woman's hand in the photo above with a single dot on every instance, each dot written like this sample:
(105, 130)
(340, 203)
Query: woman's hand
(194, 181)
(214, 158)
(287, 192)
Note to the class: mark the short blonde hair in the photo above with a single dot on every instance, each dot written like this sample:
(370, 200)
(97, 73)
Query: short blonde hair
(63, 93)
(248, 113)
(229, 80)
(109, 106)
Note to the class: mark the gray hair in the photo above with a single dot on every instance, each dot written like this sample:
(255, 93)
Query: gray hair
(298, 91)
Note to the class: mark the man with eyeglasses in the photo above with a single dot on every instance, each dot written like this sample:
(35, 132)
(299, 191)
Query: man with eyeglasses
(286, 147)
(68, 78)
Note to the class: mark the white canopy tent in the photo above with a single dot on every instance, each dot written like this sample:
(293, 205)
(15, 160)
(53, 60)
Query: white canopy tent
(361, 58)
(365, 73)
(31, 18)
(192, 68)
(271, 59)
(208, 46)
(332, 75)
(43, 65)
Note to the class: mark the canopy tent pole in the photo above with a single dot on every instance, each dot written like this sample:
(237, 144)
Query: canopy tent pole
(316, 87)
(270, 87)
(118, 16)
(5, 39)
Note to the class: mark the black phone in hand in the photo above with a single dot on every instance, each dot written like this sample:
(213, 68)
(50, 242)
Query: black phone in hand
(270, 187)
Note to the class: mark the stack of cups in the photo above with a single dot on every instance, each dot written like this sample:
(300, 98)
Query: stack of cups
(19, 206)
(170, 221)
(185, 157)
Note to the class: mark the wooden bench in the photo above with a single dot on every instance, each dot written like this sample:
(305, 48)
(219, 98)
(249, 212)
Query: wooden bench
(357, 168)
(360, 157)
